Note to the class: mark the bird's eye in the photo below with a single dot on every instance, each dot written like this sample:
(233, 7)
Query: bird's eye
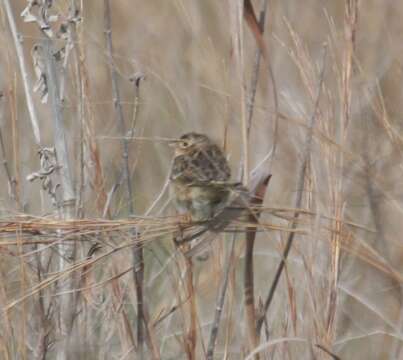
(184, 144)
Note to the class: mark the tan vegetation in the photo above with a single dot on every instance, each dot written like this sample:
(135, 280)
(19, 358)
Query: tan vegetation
(84, 161)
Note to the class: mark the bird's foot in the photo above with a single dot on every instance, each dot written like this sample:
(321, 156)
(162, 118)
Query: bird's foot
(185, 220)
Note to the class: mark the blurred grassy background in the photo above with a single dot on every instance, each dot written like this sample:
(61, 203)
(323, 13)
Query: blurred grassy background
(186, 51)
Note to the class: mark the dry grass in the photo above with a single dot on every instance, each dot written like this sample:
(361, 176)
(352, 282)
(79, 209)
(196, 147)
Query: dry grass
(319, 276)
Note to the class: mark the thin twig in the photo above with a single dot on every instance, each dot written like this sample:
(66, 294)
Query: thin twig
(138, 257)
(11, 180)
(300, 186)
(333, 356)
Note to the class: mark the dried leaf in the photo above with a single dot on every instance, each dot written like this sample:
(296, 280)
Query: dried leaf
(38, 11)
(41, 83)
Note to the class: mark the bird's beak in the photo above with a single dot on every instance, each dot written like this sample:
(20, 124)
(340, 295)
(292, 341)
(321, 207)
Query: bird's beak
(173, 143)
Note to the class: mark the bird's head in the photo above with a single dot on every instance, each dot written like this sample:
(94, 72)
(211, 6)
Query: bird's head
(189, 142)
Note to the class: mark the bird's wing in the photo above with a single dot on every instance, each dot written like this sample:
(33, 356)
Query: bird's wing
(214, 163)
(206, 164)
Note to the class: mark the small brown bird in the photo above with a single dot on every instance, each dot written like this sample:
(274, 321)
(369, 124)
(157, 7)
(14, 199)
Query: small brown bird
(199, 177)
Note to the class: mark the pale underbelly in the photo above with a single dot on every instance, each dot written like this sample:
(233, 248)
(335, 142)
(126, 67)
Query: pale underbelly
(201, 201)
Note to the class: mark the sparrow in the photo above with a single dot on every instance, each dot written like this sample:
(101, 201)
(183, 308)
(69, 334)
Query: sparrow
(199, 177)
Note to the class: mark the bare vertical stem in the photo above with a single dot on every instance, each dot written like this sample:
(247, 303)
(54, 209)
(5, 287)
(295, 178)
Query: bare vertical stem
(59, 129)
(138, 254)
(15, 142)
(250, 310)
(257, 28)
(256, 67)
(298, 202)
(138, 272)
(249, 292)
(220, 302)
(67, 251)
(80, 107)
(191, 336)
(117, 104)
(249, 298)
(237, 10)
(24, 73)
(350, 19)
(138, 257)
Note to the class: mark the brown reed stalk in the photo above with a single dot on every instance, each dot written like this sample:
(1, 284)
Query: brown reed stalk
(249, 292)
(191, 336)
(298, 202)
(256, 67)
(257, 27)
(250, 311)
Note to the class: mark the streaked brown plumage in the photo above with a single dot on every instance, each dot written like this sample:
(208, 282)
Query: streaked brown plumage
(199, 176)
